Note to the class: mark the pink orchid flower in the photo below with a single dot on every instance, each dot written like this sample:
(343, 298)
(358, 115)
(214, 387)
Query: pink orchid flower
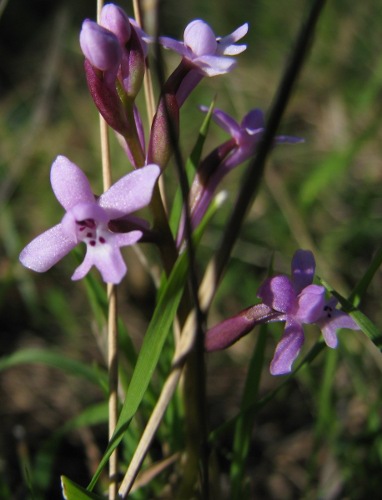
(87, 220)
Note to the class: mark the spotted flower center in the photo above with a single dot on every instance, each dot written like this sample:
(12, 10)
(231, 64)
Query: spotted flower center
(91, 232)
(328, 311)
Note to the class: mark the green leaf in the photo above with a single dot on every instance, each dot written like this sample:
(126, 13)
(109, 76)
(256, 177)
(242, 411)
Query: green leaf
(326, 422)
(72, 491)
(95, 374)
(368, 328)
(363, 284)
(245, 422)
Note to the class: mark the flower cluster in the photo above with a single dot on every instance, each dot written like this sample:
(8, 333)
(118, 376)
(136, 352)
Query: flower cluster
(295, 301)
(116, 51)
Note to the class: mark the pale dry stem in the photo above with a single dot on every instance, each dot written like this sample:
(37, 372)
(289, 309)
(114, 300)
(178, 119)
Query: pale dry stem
(183, 348)
(112, 328)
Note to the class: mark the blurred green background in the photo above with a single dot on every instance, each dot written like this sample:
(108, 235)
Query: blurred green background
(321, 436)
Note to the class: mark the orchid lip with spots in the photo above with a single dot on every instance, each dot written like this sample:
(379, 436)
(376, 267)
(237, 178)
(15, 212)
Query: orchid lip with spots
(87, 218)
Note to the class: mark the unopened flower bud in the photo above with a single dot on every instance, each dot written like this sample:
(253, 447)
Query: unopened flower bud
(100, 46)
(133, 66)
(232, 329)
(116, 20)
(164, 130)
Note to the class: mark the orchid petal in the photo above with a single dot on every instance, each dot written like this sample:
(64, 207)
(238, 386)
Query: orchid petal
(175, 45)
(329, 332)
(107, 259)
(333, 320)
(232, 50)
(310, 304)
(83, 269)
(287, 349)
(253, 121)
(303, 269)
(47, 249)
(225, 44)
(126, 239)
(288, 139)
(199, 36)
(130, 193)
(278, 293)
(214, 65)
(69, 183)
(226, 122)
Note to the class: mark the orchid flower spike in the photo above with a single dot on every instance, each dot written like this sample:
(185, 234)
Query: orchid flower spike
(300, 302)
(207, 53)
(87, 220)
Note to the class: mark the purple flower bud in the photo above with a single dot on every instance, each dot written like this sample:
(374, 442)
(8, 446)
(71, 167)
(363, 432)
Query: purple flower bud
(100, 46)
(232, 329)
(160, 146)
(106, 99)
(133, 65)
(116, 20)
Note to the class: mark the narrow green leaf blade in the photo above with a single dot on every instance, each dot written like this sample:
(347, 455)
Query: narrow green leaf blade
(72, 491)
(96, 375)
(246, 419)
(363, 284)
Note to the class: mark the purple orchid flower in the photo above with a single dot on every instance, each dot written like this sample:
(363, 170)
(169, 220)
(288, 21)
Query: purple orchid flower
(203, 54)
(245, 137)
(204, 51)
(300, 302)
(246, 134)
(87, 219)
